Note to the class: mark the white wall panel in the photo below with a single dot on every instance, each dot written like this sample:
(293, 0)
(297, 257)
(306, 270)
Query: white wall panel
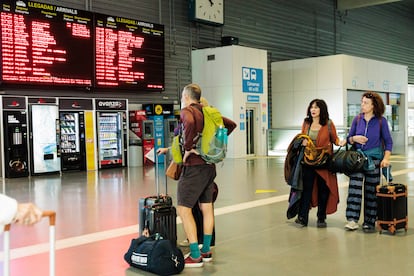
(282, 76)
(305, 75)
(283, 110)
(329, 72)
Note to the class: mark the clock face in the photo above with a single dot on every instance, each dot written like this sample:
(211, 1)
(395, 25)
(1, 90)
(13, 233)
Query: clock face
(209, 11)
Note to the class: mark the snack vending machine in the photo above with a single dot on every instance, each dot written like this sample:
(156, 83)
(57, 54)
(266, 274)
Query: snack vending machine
(112, 132)
(44, 136)
(72, 133)
(15, 137)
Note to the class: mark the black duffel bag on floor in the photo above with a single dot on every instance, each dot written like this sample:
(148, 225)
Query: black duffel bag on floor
(347, 161)
(156, 255)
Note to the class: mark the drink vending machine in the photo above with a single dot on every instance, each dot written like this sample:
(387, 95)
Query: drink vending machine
(15, 137)
(72, 133)
(111, 118)
(44, 136)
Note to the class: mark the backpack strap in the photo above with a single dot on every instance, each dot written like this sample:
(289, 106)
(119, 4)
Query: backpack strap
(192, 109)
(329, 130)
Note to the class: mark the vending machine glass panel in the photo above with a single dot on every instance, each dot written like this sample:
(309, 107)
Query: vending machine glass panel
(110, 139)
(44, 139)
(69, 132)
(72, 140)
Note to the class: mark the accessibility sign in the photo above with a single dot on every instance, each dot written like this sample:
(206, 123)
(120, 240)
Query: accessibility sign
(252, 79)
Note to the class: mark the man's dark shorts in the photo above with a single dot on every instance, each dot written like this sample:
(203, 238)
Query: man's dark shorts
(196, 184)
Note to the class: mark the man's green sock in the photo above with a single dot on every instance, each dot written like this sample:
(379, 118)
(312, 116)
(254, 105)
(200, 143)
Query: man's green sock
(194, 251)
(206, 243)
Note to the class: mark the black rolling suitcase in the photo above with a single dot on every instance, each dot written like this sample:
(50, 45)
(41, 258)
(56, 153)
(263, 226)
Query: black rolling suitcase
(157, 213)
(392, 207)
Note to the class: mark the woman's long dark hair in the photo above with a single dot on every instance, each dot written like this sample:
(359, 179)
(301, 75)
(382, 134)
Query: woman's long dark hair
(324, 115)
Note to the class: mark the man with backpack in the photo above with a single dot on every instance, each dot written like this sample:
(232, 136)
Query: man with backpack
(197, 178)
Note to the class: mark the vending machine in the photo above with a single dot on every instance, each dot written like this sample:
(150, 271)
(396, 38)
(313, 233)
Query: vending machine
(112, 132)
(15, 137)
(44, 136)
(72, 133)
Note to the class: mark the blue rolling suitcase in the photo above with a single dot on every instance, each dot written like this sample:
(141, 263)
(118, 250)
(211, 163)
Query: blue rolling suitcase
(157, 213)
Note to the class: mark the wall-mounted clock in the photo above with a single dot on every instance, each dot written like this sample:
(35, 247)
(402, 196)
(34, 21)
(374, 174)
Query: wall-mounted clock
(207, 11)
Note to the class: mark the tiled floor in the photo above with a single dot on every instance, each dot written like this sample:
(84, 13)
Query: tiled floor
(97, 217)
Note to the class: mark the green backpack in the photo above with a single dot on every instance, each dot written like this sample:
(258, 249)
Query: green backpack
(212, 144)
(176, 150)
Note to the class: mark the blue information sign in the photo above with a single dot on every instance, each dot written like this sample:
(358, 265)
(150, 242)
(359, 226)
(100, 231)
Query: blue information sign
(253, 99)
(252, 79)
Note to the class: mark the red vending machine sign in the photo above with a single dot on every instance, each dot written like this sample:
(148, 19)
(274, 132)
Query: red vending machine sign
(136, 117)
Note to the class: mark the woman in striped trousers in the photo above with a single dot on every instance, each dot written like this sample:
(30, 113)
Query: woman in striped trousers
(369, 132)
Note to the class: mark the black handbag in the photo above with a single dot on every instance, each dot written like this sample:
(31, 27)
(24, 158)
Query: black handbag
(347, 161)
(155, 254)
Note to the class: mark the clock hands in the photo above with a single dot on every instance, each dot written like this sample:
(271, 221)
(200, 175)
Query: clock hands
(208, 11)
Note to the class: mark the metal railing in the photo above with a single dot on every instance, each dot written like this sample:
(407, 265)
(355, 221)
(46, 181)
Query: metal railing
(278, 139)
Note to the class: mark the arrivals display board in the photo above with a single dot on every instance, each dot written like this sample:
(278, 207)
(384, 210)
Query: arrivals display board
(46, 44)
(128, 53)
(50, 45)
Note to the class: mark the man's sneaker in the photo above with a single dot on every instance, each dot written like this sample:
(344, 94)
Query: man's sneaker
(368, 228)
(191, 262)
(207, 257)
(184, 243)
(351, 225)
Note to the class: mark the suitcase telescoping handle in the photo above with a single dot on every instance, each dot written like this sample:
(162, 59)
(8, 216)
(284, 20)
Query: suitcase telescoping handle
(52, 238)
(388, 176)
(157, 174)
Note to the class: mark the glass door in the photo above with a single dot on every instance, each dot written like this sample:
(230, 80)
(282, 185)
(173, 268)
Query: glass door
(250, 126)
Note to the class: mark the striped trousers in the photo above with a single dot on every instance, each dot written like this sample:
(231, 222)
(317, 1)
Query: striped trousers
(369, 180)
